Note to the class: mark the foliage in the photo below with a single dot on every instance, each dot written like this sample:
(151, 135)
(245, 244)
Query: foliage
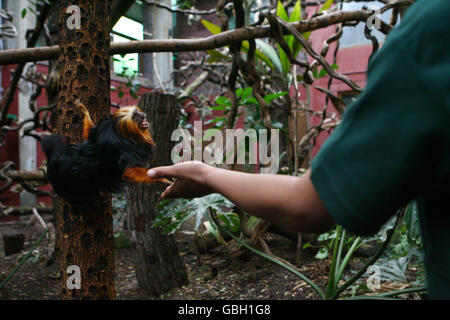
(23, 259)
(294, 45)
(33, 7)
(185, 4)
(173, 213)
(245, 98)
(326, 242)
(132, 82)
(338, 263)
(406, 243)
(405, 250)
(216, 55)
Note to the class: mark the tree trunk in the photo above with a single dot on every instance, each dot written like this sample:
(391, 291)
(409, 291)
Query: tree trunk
(158, 265)
(85, 236)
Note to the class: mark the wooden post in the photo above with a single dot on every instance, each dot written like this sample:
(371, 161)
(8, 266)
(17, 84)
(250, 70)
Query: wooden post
(159, 268)
(85, 236)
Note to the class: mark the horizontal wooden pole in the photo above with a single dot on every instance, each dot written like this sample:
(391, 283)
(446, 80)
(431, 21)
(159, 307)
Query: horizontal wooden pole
(22, 175)
(13, 56)
(5, 211)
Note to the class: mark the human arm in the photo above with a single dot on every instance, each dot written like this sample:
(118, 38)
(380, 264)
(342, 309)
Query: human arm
(290, 202)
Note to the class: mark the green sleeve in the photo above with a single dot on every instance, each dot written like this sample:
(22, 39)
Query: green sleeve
(389, 147)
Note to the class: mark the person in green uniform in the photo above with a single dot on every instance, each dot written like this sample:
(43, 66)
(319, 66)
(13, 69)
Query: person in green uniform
(392, 146)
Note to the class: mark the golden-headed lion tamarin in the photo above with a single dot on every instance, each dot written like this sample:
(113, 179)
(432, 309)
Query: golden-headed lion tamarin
(114, 151)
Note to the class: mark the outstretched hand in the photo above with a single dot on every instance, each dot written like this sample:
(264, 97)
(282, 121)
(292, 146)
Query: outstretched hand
(190, 179)
(288, 201)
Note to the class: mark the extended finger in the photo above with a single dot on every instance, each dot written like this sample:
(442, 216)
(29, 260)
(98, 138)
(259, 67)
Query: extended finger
(162, 172)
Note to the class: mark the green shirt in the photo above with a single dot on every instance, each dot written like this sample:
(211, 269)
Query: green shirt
(393, 144)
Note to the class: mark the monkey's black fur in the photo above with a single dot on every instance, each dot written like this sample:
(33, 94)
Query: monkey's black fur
(79, 172)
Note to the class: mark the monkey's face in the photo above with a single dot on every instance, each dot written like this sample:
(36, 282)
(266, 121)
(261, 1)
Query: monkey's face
(141, 119)
(132, 124)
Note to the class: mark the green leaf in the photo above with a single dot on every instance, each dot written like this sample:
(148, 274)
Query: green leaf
(284, 61)
(272, 96)
(231, 220)
(281, 12)
(326, 5)
(216, 56)
(220, 108)
(244, 93)
(322, 253)
(213, 28)
(251, 100)
(271, 53)
(322, 73)
(24, 12)
(223, 101)
(212, 229)
(32, 10)
(295, 16)
(296, 13)
(306, 245)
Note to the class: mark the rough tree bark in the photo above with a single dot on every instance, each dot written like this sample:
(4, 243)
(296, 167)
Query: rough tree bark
(158, 265)
(85, 236)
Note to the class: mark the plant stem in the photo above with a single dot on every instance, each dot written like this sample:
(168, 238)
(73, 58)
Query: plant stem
(23, 260)
(331, 288)
(262, 254)
(347, 257)
(402, 291)
(369, 263)
(338, 262)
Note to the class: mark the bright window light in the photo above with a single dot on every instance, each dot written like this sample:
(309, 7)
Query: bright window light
(128, 64)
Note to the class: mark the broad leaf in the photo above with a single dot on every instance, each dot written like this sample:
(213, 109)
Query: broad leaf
(271, 53)
(213, 28)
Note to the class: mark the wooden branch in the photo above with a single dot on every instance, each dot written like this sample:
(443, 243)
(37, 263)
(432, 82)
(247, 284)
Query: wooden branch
(22, 175)
(5, 211)
(323, 62)
(222, 39)
(194, 85)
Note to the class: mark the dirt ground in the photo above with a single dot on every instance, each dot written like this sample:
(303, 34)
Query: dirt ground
(248, 277)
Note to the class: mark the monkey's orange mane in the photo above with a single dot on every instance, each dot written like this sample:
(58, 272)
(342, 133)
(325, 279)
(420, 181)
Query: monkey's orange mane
(128, 128)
